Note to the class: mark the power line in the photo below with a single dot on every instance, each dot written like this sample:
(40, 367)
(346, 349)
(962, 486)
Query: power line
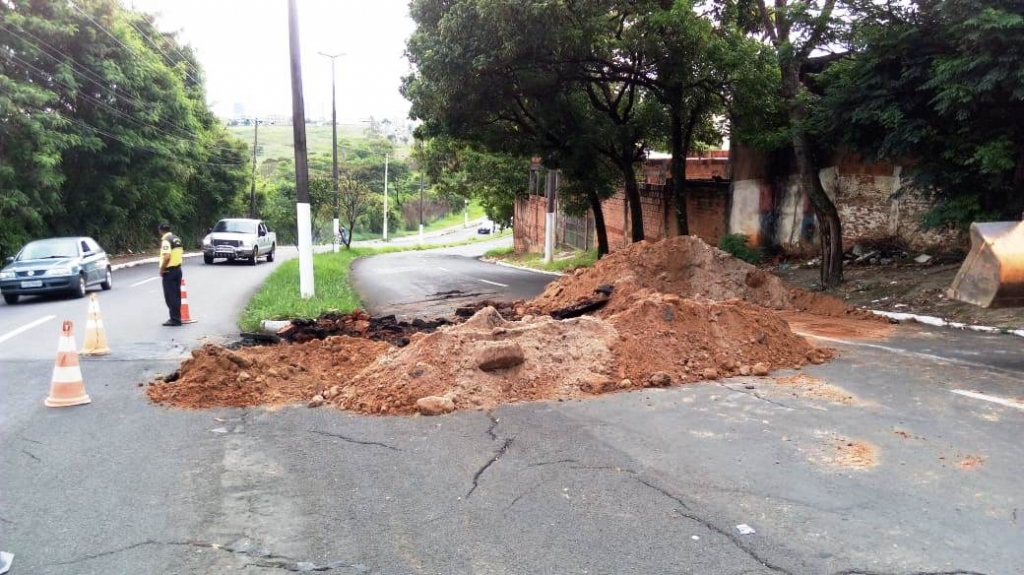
(167, 58)
(130, 145)
(92, 77)
(188, 141)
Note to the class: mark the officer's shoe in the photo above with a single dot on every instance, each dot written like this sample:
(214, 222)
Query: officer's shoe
(172, 323)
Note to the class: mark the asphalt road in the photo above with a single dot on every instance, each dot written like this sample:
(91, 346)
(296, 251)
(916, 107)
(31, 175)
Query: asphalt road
(434, 283)
(647, 482)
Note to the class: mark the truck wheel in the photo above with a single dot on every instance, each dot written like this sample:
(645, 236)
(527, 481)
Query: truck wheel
(270, 256)
(207, 259)
(255, 255)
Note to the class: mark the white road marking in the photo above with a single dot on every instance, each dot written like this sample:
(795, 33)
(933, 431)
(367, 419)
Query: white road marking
(993, 399)
(25, 328)
(493, 283)
(444, 269)
(137, 284)
(919, 354)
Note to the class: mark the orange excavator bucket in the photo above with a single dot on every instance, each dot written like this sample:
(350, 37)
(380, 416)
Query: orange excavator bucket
(993, 273)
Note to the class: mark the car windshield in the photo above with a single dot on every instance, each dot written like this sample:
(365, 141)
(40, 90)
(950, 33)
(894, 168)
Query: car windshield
(55, 248)
(236, 226)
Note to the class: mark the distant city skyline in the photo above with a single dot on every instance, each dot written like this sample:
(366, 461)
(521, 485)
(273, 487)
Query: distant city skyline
(243, 49)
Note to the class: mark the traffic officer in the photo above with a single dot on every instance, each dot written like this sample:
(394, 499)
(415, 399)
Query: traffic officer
(170, 271)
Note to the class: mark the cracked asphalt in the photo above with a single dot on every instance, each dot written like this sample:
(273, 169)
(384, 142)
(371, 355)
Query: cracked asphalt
(652, 481)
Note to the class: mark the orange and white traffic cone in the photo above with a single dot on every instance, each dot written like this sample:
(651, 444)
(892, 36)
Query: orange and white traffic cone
(95, 335)
(185, 317)
(67, 387)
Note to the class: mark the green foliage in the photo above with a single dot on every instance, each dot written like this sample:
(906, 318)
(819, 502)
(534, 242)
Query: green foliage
(463, 171)
(104, 129)
(938, 86)
(739, 246)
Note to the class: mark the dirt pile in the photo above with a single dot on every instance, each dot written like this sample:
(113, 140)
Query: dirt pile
(687, 267)
(692, 339)
(483, 362)
(287, 373)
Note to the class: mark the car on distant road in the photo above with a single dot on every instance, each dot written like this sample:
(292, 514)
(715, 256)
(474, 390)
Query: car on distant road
(239, 238)
(483, 230)
(56, 265)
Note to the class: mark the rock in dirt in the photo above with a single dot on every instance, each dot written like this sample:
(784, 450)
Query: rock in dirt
(434, 405)
(317, 401)
(499, 355)
(710, 374)
(660, 379)
(759, 369)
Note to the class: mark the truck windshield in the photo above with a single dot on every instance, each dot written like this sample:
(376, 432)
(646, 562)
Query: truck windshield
(236, 226)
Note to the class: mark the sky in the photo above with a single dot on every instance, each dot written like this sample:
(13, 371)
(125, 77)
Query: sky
(243, 48)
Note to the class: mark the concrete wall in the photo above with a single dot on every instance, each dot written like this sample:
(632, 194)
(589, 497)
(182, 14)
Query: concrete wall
(868, 196)
(771, 210)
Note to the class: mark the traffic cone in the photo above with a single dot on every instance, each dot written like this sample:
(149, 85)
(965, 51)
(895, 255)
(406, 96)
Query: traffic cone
(95, 336)
(185, 317)
(67, 387)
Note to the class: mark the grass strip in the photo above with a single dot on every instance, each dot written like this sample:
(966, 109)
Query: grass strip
(278, 297)
(563, 262)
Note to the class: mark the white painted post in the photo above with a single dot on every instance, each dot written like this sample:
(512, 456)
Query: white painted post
(385, 197)
(549, 219)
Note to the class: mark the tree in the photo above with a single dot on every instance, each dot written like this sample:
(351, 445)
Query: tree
(105, 128)
(355, 199)
(513, 79)
(938, 83)
(794, 29)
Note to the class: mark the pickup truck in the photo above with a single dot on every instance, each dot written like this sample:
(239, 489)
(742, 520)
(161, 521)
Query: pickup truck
(239, 239)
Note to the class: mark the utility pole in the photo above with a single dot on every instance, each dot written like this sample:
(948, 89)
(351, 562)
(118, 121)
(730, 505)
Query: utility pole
(306, 287)
(255, 146)
(549, 219)
(385, 197)
(334, 151)
(466, 225)
(421, 208)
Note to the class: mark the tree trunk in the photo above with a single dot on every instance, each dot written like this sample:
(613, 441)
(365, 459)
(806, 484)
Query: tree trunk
(678, 169)
(829, 226)
(599, 227)
(636, 212)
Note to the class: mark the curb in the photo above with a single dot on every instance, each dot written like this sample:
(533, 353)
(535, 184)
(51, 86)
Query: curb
(152, 260)
(939, 322)
(524, 268)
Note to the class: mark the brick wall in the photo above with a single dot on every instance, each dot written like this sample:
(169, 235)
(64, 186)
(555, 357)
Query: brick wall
(528, 220)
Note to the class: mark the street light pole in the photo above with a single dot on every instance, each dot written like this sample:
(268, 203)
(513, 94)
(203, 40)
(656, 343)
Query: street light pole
(252, 189)
(421, 208)
(334, 151)
(385, 197)
(302, 216)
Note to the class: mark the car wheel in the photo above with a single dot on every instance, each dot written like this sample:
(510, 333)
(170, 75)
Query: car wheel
(270, 256)
(255, 256)
(79, 290)
(207, 259)
(11, 298)
(108, 282)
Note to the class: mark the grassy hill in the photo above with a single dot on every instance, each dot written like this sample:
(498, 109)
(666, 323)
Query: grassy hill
(276, 141)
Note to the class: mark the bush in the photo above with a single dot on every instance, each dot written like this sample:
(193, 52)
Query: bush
(739, 246)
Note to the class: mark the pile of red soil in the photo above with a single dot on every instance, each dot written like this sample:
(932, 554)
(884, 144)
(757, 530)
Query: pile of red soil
(678, 311)
(287, 373)
(692, 339)
(687, 267)
(483, 362)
